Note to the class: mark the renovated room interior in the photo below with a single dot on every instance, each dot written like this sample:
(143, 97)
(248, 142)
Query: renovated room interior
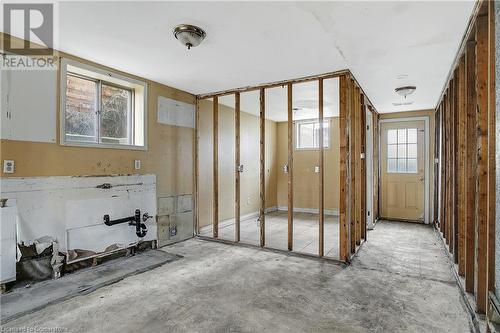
(250, 166)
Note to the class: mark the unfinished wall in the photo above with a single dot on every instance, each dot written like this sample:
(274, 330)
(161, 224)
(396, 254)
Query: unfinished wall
(305, 180)
(249, 156)
(169, 155)
(466, 112)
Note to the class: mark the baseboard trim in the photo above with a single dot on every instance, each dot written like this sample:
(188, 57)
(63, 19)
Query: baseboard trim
(332, 212)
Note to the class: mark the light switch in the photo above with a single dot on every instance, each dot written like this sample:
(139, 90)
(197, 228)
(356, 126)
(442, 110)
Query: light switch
(8, 166)
(137, 164)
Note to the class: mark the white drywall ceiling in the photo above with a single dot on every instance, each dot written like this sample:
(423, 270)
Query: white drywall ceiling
(385, 44)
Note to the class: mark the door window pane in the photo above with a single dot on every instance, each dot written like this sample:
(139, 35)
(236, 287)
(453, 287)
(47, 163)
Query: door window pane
(402, 150)
(412, 165)
(392, 137)
(412, 150)
(392, 165)
(401, 165)
(392, 151)
(412, 135)
(401, 136)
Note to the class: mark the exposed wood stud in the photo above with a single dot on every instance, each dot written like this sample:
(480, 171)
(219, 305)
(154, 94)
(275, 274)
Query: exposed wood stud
(461, 140)
(237, 164)
(363, 165)
(491, 146)
(443, 169)
(352, 167)
(321, 172)
(482, 162)
(344, 165)
(470, 167)
(290, 166)
(357, 164)
(454, 201)
(262, 215)
(196, 168)
(215, 221)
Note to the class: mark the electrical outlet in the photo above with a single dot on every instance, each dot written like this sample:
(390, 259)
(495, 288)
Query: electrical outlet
(8, 166)
(137, 164)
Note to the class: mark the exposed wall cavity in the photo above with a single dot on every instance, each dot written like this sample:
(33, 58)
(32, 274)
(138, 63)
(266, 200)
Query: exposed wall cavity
(71, 209)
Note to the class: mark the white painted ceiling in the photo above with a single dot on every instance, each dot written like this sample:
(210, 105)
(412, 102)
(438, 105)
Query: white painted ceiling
(384, 43)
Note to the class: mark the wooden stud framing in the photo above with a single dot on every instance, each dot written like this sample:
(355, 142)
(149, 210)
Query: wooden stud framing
(437, 122)
(470, 167)
(262, 215)
(237, 165)
(276, 84)
(357, 164)
(376, 147)
(352, 209)
(344, 166)
(215, 221)
(352, 168)
(491, 165)
(461, 139)
(454, 125)
(290, 166)
(447, 205)
(321, 172)
(453, 173)
(482, 162)
(196, 169)
(362, 135)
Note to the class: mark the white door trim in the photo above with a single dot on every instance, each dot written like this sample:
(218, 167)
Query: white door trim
(369, 170)
(427, 157)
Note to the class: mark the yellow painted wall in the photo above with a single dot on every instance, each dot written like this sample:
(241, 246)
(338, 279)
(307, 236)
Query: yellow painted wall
(305, 181)
(170, 149)
(249, 157)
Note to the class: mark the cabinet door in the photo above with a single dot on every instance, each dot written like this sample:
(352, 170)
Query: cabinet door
(29, 105)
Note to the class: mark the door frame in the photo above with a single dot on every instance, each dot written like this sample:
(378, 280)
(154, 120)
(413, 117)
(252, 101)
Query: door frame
(426, 159)
(370, 220)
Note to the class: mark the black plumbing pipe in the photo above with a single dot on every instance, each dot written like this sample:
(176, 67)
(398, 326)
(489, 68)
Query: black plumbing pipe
(140, 228)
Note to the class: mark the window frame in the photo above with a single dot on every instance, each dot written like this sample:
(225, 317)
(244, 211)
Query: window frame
(131, 112)
(297, 124)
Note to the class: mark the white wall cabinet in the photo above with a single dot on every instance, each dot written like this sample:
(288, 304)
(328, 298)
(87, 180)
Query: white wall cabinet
(8, 244)
(28, 105)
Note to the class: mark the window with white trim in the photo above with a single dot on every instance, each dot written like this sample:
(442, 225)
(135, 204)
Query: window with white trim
(102, 109)
(402, 150)
(307, 134)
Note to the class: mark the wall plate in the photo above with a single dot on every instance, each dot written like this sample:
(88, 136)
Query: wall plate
(8, 166)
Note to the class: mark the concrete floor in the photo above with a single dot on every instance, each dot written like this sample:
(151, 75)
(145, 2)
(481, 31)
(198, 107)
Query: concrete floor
(400, 281)
(305, 232)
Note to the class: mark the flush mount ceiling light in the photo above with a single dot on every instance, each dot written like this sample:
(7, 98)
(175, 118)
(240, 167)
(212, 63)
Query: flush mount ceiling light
(406, 90)
(189, 35)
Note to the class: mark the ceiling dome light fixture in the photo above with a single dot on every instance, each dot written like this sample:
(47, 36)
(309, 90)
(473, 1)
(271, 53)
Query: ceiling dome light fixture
(189, 35)
(406, 90)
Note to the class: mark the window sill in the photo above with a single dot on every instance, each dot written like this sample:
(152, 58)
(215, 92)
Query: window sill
(101, 145)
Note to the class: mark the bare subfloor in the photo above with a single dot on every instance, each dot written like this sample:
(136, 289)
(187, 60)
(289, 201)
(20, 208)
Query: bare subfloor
(400, 281)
